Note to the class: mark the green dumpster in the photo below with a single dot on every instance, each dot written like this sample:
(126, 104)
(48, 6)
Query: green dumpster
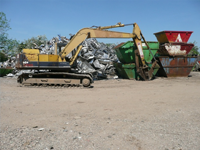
(126, 55)
(128, 71)
(125, 52)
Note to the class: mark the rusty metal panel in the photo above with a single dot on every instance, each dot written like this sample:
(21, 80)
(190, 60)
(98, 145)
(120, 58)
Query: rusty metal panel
(119, 45)
(175, 49)
(175, 66)
(19, 61)
(173, 36)
(198, 59)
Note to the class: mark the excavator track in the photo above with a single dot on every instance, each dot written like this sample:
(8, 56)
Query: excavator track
(55, 79)
(53, 86)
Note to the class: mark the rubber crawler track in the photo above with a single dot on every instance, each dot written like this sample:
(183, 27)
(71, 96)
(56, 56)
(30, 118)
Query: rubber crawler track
(55, 76)
(55, 86)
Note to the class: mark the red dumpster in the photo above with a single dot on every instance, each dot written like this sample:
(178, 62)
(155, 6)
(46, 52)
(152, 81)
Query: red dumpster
(175, 49)
(173, 36)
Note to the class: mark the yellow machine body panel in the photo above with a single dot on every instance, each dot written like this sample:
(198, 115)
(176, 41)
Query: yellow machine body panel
(53, 58)
(34, 55)
(48, 58)
(60, 59)
(31, 54)
(31, 51)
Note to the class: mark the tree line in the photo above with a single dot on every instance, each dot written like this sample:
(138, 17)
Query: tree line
(9, 46)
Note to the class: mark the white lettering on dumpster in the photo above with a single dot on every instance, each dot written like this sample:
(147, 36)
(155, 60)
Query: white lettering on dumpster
(178, 39)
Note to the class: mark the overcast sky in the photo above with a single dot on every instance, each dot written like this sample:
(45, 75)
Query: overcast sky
(30, 18)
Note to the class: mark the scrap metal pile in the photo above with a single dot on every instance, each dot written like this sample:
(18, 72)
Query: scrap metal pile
(49, 47)
(10, 63)
(95, 57)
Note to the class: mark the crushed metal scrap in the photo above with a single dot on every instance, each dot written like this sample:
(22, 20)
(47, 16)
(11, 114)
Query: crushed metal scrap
(97, 58)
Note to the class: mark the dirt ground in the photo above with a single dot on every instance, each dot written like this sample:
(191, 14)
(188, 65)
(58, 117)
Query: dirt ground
(162, 114)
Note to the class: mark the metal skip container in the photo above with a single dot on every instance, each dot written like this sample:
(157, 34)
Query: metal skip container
(172, 54)
(175, 66)
(173, 36)
(174, 43)
(126, 55)
(175, 49)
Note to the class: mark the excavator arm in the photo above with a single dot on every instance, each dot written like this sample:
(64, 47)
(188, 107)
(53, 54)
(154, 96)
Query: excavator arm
(101, 32)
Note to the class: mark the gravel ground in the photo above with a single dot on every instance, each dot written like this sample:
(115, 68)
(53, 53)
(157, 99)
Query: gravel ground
(162, 114)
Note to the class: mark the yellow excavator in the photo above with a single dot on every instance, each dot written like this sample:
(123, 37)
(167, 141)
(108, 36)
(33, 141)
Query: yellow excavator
(59, 68)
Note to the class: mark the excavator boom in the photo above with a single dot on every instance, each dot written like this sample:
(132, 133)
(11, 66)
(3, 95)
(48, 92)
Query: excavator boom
(85, 33)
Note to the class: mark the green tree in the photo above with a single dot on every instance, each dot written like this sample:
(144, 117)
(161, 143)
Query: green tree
(3, 57)
(21, 46)
(194, 50)
(7, 46)
(10, 47)
(4, 26)
(4, 23)
(35, 41)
